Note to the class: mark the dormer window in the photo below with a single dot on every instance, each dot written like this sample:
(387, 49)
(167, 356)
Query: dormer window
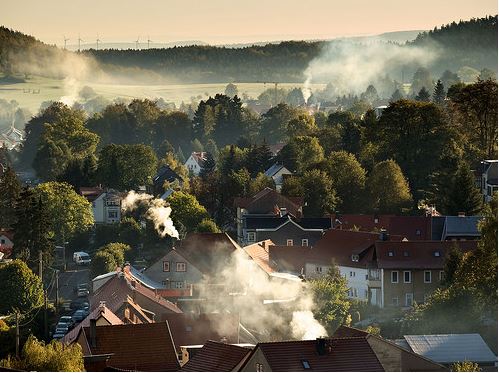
(355, 258)
(306, 364)
(391, 253)
(436, 253)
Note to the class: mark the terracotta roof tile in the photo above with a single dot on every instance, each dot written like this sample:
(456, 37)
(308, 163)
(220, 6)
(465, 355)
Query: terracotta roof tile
(189, 329)
(216, 357)
(142, 347)
(259, 252)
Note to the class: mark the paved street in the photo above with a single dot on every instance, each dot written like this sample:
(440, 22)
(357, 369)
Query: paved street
(68, 281)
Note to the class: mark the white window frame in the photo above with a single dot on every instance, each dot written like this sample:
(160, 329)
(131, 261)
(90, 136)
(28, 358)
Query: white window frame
(180, 267)
(441, 275)
(179, 284)
(289, 242)
(407, 304)
(424, 277)
(166, 264)
(304, 241)
(391, 277)
(410, 277)
(251, 236)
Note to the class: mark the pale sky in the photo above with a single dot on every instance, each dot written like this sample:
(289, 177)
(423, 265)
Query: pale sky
(229, 21)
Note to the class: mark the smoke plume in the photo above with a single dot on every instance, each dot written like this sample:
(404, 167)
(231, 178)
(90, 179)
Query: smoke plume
(157, 211)
(351, 67)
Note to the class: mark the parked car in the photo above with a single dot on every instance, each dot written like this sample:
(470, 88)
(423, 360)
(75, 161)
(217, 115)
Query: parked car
(61, 328)
(66, 320)
(79, 315)
(81, 258)
(58, 335)
(82, 290)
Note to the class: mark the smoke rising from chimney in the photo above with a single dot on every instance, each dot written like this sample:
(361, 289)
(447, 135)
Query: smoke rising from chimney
(158, 212)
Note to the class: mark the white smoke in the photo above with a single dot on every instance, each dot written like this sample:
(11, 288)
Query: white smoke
(157, 211)
(351, 67)
(304, 326)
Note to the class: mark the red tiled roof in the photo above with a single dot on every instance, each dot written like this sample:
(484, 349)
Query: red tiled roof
(411, 227)
(346, 354)
(101, 311)
(137, 347)
(268, 201)
(199, 157)
(216, 357)
(208, 252)
(190, 329)
(259, 252)
(91, 193)
(116, 291)
(347, 331)
(417, 254)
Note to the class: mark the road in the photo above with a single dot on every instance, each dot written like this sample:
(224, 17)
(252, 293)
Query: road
(68, 280)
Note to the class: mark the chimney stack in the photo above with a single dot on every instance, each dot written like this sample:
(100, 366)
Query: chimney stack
(320, 345)
(461, 214)
(93, 331)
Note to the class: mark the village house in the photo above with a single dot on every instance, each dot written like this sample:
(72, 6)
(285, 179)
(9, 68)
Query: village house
(277, 172)
(131, 347)
(217, 357)
(106, 204)
(348, 351)
(266, 203)
(453, 228)
(488, 180)
(165, 175)
(6, 242)
(195, 162)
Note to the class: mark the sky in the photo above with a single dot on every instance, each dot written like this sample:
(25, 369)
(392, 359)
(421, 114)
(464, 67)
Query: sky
(229, 21)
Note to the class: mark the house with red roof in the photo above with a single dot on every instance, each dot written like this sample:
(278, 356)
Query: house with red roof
(217, 357)
(195, 162)
(6, 242)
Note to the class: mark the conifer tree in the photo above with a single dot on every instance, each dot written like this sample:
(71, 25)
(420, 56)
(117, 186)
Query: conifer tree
(423, 95)
(463, 195)
(397, 95)
(439, 93)
(9, 193)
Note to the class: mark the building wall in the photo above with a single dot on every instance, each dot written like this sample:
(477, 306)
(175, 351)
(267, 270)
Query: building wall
(417, 286)
(170, 278)
(98, 209)
(289, 231)
(192, 166)
(256, 358)
(278, 178)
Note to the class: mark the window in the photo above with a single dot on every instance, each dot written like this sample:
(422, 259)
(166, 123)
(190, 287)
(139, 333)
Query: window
(318, 269)
(306, 364)
(407, 277)
(436, 253)
(289, 242)
(418, 232)
(179, 285)
(395, 277)
(259, 367)
(406, 253)
(166, 266)
(355, 258)
(304, 242)
(395, 301)
(391, 253)
(441, 275)
(354, 292)
(351, 274)
(408, 299)
(112, 214)
(427, 277)
(181, 266)
(251, 236)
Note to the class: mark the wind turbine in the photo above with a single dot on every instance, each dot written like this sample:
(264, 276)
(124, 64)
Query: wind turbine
(137, 42)
(148, 41)
(65, 41)
(79, 42)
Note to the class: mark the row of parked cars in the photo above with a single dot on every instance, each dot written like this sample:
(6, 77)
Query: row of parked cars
(80, 308)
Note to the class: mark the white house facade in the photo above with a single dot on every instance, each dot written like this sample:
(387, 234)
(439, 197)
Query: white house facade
(195, 162)
(107, 208)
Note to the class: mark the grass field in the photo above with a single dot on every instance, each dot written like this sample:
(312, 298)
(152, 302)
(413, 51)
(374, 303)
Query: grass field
(53, 89)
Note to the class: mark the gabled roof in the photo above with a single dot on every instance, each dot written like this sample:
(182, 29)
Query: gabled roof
(165, 173)
(137, 347)
(100, 312)
(450, 348)
(416, 254)
(199, 157)
(259, 252)
(91, 193)
(216, 357)
(195, 329)
(276, 148)
(346, 354)
(208, 252)
(268, 201)
(275, 168)
(461, 226)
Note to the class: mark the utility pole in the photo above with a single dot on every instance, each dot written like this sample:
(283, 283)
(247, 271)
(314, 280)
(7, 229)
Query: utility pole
(40, 265)
(45, 317)
(57, 291)
(17, 333)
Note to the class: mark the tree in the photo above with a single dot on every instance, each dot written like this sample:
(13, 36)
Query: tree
(465, 366)
(330, 299)
(487, 74)
(449, 78)
(41, 357)
(421, 79)
(186, 210)
(117, 250)
(452, 262)
(302, 125)
(231, 90)
(126, 167)
(462, 194)
(102, 262)
(423, 95)
(207, 226)
(439, 93)
(370, 95)
(295, 97)
(208, 166)
(21, 289)
(388, 189)
(397, 95)
(348, 179)
(275, 120)
(318, 193)
(292, 187)
(10, 188)
(300, 153)
(68, 212)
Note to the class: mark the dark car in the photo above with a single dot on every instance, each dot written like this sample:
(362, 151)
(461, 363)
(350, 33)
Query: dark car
(66, 320)
(79, 315)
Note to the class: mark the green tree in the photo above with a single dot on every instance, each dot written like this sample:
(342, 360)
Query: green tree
(330, 299)
(465, 366)
(421, 79)
(231, 90)
(449, 78)
(275, 120)
(292, 187)
(10, 188)
(21, 289)
(452, 262)
(302, 125)
(349, 179)
(300, 153)
(207, 226)
(388, 189)
(423, 95)
(462, 194)
(186, 210)
(102, 262)
(68, 212)
(439, 93)
(396, 95)
(318, 192)
(41, 357)
(117, 250)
